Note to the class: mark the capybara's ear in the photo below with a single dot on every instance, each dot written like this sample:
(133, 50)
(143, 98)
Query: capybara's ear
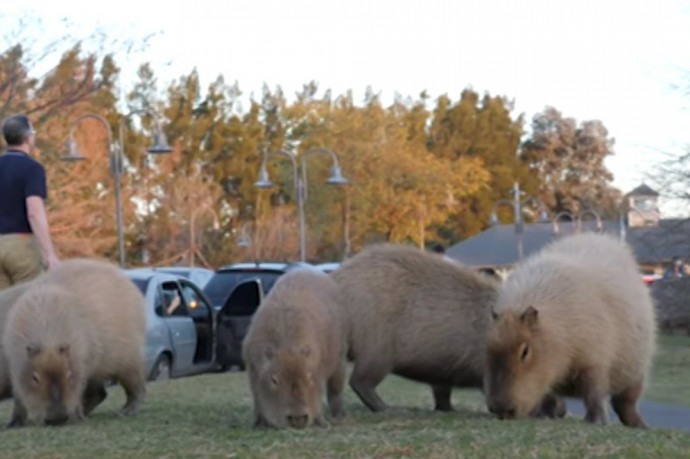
(63, 349)
(269, 353)
(305, 351)
(32, 350)
(530, 317)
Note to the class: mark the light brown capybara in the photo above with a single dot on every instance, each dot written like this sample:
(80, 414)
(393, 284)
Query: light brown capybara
(294, 348)
(8, 298)
(575, 318)
(416, 315)
(78, 325)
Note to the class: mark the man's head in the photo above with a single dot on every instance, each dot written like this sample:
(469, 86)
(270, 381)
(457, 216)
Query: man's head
(438, 248)
(18, 132)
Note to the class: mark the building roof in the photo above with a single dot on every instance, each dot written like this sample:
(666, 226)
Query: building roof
(497, 246)
(643, 190)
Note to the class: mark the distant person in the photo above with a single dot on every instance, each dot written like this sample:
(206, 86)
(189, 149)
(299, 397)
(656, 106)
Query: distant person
(438, 248)
(25, 245)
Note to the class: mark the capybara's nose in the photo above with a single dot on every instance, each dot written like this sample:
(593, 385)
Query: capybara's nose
(299, 421)
(502, 411)
(57, 420)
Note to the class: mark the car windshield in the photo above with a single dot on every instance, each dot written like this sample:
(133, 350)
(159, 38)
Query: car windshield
(142, 284)
(223, 282)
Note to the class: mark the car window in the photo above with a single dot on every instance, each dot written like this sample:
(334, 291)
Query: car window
(192, 298)
(244, 299)
(171, 301)
(223, 283)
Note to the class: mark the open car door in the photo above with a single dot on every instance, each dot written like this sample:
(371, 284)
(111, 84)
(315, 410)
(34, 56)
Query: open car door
(234, 319)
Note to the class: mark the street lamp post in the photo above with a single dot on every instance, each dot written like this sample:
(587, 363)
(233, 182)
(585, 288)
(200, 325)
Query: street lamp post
(517, 205)
(300, 183)
(116, 158)
(192, 231)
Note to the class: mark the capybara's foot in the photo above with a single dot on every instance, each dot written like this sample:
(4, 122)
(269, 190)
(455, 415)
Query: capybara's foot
(625, 406)
(261, 423)
(319, 421)
(442, 396)
(19, 416)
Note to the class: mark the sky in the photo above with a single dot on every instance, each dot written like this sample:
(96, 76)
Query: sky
(624, 62)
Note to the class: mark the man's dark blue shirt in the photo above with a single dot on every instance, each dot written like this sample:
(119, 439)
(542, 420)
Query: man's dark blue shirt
(20, 177)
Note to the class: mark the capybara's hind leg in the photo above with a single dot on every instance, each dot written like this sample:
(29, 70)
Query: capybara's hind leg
(334, 392)
(625, 406)
(19, 415)
(593, 384)
(94, 394)
(134, 384)
(364, 379)
(442, 398)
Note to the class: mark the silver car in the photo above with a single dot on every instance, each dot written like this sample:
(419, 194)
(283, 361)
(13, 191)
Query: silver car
(180, 338)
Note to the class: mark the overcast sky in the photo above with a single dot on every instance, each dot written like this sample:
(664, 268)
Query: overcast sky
(618, 61)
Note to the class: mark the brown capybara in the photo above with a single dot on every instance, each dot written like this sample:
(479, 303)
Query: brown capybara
(294, 348)
(577, 319)
(419, 316)
(78, 325)
(7, 299)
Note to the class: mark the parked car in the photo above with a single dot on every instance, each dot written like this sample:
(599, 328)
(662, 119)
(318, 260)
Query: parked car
(328, 267)
(200, 276)
(183, 331)
(236, 291)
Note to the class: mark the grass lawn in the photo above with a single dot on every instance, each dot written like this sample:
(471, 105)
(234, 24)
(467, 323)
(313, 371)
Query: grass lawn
(209, 416)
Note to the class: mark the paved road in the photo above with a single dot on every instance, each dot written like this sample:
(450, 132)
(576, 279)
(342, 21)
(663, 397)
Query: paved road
(655, 414)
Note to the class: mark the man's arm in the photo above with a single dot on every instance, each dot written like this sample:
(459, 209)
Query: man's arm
(38, 220)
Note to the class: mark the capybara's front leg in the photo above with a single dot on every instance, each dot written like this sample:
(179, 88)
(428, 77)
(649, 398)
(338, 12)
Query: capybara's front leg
(442, 398)
(625, 405)
(94, 394)
(364, 379)
(334, 392)
(134, 384)
(19, 415)
(593, 383)
(552, 406)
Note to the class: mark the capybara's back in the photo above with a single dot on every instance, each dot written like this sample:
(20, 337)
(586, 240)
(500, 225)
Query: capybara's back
(416, 315)
(81, 323)
(294, 348)
(575, 317)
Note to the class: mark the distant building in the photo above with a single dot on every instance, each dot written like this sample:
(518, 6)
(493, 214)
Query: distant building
(655, 241)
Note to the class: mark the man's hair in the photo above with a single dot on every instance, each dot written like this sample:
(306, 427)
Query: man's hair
(16, 129)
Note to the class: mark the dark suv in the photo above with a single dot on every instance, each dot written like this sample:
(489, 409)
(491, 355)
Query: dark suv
(236, 306)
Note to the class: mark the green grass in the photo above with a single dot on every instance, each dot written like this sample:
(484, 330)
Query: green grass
(210, 415)
(670, 381)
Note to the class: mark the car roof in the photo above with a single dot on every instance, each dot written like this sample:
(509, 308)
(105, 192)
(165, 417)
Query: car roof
(328, 266)
(145, 274)
(265, 266)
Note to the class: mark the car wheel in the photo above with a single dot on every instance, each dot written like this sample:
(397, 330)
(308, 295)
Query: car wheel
(161, 370)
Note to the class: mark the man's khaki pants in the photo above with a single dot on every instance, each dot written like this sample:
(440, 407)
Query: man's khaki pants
(20, 259)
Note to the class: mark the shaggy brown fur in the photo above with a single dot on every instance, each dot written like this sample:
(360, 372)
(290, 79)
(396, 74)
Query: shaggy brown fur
(416, 315)
(294, 347)
(575, 318)
(78, 325)
(8, 298)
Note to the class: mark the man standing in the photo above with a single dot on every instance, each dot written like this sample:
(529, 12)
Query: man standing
(25, 244)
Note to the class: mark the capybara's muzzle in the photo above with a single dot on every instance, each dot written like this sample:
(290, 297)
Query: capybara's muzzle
(503, 411)
(299, 421)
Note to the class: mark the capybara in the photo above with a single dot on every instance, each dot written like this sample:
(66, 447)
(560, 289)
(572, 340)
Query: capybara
(577, 319)
(78, 325)
(7, 299)
(294, 348)
(416, 315)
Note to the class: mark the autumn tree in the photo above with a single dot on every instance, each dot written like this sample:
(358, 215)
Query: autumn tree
(569, 159)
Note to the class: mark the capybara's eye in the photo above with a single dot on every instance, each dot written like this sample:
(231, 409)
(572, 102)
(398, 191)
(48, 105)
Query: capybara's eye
(69, 375)
(525, 351)
(274, 380)
(36, 378)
